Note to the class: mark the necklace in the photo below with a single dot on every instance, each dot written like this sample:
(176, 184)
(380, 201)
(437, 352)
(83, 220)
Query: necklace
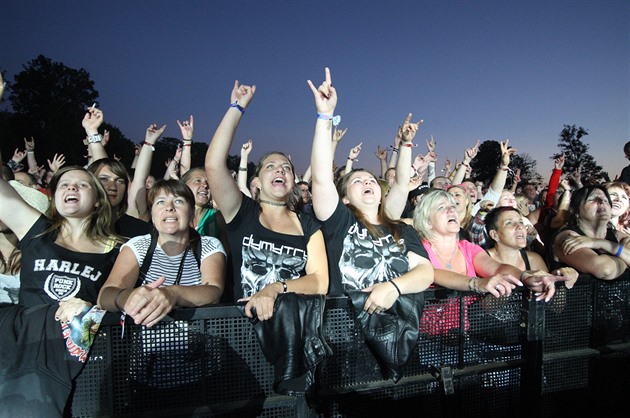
(269, 202)
(448, 265)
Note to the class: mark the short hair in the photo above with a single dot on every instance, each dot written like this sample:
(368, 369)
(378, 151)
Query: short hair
(491, 221)
(626, 148)
(425, 208)
(174, 187)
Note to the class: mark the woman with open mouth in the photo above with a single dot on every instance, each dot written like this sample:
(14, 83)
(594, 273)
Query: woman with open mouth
(620, 210)
(65, 260)
(274, 249)
(373, 250)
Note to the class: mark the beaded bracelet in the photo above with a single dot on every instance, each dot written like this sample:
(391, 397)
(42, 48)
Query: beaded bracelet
(285, 288)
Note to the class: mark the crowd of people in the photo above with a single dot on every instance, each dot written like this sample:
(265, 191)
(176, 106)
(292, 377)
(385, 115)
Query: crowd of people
(103, 234)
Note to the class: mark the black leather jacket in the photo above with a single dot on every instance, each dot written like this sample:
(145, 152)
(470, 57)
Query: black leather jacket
(292, 340)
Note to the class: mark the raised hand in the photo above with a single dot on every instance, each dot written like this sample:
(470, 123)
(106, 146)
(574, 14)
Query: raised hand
(18, 155)
(381, 153)
(409, 129)
(246, 148)
(431, 144)
(92, 120)
(471, 153)
(559, 162)
(506, 152)
(186, 128)
(57, 162)
(338, 134)
(354, 152)
(153, 133)
(325, 95)
(242, 95)
(29, 145)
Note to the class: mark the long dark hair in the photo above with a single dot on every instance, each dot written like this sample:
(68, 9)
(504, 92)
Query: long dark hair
(388, 223)
(118, 169)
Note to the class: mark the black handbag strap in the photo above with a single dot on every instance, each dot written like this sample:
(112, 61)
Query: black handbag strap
(146, 263)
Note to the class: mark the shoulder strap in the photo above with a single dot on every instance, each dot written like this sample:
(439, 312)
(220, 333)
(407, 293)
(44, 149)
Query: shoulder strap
(525, 258)
(146, 263)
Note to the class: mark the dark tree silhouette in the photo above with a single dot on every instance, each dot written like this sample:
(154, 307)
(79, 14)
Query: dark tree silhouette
(576, 156)
(49, 100)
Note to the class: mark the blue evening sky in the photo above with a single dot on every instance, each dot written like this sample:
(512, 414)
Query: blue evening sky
(483, 69)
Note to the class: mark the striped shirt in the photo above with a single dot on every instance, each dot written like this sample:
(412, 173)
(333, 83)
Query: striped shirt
(165, 265)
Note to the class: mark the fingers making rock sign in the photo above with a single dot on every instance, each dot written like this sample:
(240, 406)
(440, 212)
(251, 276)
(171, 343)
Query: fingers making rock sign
(325, 95)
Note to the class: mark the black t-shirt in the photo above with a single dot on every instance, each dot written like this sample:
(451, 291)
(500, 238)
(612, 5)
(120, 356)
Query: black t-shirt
(128, 226)
(260, 256)
(357, 260)
(50, 273)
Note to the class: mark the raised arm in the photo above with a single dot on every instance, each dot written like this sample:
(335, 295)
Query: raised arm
(393, 160)
(223, 187)
(137, 194)
(396, 198)
(91, 121)
(381, 154)
(241, 179)
(469, 154)
(15, 213)
(325, 197)
(353, 156)
(187, 130)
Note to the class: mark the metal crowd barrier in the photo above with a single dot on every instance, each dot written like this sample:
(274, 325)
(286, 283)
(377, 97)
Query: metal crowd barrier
(476, 356)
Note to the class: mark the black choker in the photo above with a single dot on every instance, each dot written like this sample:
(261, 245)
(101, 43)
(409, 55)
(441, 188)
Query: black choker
(269, 202)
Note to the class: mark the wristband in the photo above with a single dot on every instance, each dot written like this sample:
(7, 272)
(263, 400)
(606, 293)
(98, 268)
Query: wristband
(505, 168)
(396, 286)
(285, 288)
(619, 250)
(91, 139)
(239, 107)
(395, 150)
(242, 169)
(30, 152)
(408, 144)
(12, 165)
(149, 144)
(352, 159)
(473, 285)
(335, 119)
(466, 164)
(187, 144)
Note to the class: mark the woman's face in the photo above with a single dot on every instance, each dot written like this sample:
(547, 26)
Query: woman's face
(170, 214)
(198, 183)
(462, 198)
(619, 199)
(74, 196)
(444, 218)
(510, 230)
(276, 178)
(362, 188)
(114, 186)
(507, 199)
(596, 207)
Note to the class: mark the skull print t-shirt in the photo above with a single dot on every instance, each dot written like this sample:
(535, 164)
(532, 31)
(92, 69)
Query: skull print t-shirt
(261, 256)
(50, 273)
(357, 259)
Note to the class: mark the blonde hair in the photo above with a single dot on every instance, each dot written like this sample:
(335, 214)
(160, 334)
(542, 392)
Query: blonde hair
(425, 208)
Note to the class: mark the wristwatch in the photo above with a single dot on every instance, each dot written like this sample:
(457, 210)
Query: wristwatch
(91, 139)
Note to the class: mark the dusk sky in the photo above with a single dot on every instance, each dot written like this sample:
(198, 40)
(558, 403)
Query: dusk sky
(471, 69)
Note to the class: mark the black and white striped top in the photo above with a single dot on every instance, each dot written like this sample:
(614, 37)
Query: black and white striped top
(164, 265)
